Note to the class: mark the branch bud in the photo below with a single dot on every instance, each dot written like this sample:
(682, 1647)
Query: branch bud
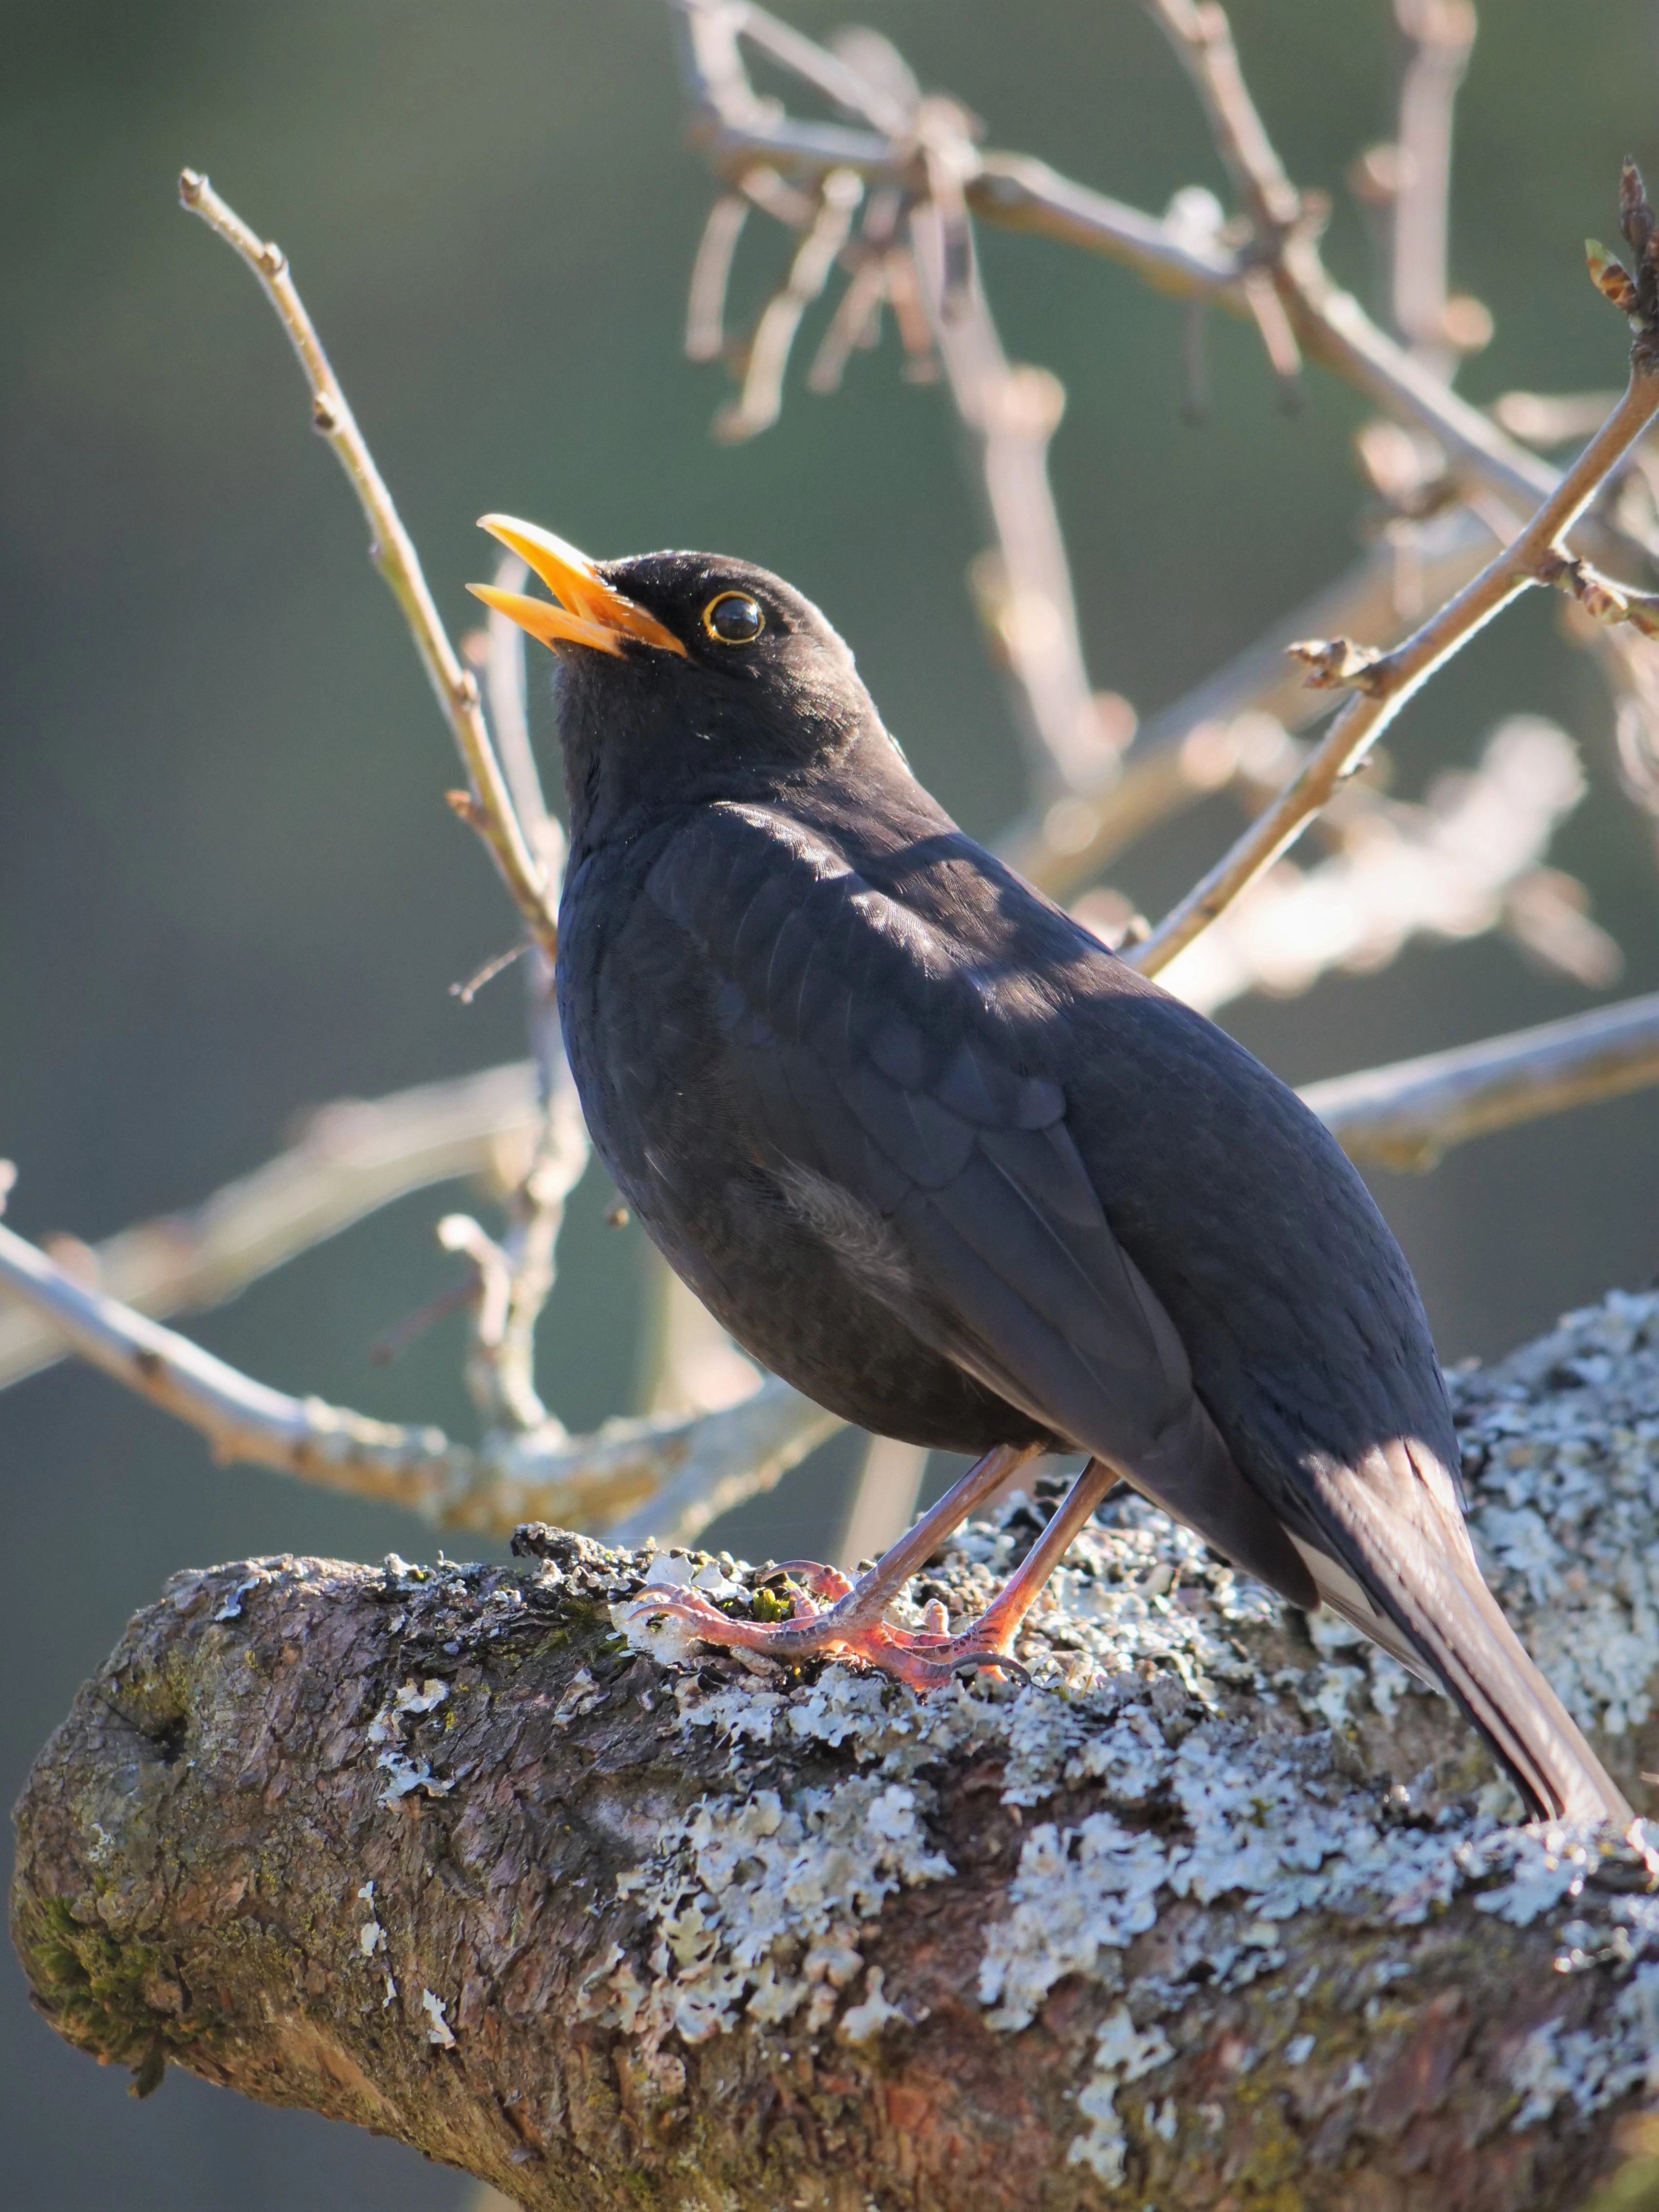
(1610, 277)
(1334, 664)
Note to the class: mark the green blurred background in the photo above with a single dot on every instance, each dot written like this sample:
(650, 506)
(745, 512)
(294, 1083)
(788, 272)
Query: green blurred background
(228, 886)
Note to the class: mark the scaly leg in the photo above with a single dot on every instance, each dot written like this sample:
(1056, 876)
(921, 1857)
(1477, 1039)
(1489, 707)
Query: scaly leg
(992, 1635)
(853, 1623)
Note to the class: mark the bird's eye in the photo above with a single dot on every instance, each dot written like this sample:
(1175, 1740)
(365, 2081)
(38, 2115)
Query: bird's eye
(734, 619)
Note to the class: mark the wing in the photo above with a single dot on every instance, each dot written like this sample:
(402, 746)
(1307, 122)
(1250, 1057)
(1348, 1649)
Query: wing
(902, 1114)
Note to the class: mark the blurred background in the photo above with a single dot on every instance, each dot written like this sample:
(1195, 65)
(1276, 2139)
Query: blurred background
(229, 889)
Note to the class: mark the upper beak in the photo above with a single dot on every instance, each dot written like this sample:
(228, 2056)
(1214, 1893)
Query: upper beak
(594, 612)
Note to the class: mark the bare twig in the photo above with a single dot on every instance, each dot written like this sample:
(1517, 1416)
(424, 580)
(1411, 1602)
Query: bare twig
(756, 406)
(242, 1420)
(1409, 1116)
(1025, 591)
(1185, 751)
(394, 556)
(711, 272)
(671, 1476)
(1440, 34)
(665, 1477)
(516, 1274)
(737, 129)
(1466, 860)
(516, 1278)
(353, 1158)
(1552, 418)
(1531, 557)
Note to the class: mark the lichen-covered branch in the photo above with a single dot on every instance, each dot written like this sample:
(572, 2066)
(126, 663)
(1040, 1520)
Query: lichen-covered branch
(1219, 1911)
(392, 551)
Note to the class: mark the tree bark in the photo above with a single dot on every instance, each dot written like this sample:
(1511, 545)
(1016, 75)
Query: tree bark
(1218, 1913)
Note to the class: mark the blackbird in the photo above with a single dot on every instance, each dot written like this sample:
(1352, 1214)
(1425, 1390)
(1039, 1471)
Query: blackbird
(931, 1152)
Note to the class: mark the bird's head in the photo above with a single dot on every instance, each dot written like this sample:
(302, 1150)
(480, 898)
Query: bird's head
(683, 676)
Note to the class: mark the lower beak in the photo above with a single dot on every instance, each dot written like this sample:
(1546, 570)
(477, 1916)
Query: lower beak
(594, 612)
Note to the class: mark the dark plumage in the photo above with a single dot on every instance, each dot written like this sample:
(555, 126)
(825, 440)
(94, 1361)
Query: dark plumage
(933, 1154)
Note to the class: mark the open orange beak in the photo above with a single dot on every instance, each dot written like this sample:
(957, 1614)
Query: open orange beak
(594, 613)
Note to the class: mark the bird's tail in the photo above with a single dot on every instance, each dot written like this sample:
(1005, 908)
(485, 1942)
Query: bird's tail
(1421, 1595)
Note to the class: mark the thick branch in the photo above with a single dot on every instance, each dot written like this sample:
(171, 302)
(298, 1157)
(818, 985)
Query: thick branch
(392, 551)
(434, 1851)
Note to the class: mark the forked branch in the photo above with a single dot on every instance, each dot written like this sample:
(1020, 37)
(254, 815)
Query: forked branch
(1384, 683)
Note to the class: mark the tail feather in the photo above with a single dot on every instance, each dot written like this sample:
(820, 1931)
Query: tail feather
(1413, 1569)
(1190, 1473)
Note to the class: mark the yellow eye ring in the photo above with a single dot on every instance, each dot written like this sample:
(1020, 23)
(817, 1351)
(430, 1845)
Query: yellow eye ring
(734, 619)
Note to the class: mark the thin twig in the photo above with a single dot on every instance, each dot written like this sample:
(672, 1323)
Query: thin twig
(1394, 679)
(1465, 860)
(394, 554)
(1021, 193)
(757, 405)
(672, 1476)
(242, 1420)
(1183, 752)
(501, 1365)
(353, 1158)
(711, 272)
(1439, 35)
(1011, 413)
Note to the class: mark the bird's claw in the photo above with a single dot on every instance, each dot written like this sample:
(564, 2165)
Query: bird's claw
(808, 1576)
(924, 1658)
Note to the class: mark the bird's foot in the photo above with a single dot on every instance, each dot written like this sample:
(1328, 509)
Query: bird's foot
(927, 1658)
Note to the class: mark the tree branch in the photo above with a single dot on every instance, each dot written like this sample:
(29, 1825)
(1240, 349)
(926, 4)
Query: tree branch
(352, 1158)
(1466, 860)
(1181, 754)
(667, 1477)
(437, 1852)
(1411, 1114)
(736, 130)
(1440, 36)
(392, 551)
(1535, 556)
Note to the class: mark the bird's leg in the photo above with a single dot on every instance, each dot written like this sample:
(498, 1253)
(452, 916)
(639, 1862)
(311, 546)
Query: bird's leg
(853, 1623)
(872, 1594)
(990, 1636)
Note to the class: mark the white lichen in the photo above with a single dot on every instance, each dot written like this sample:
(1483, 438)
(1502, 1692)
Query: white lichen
(1561, 1453)
(757, 1907)
(1123, 2053)
(438, 2032)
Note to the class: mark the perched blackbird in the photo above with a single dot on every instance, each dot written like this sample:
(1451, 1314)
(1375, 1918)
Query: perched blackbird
(931, 1152)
